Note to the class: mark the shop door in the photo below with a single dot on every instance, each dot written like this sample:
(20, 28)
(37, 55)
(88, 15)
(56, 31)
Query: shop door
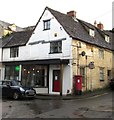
(56, 80)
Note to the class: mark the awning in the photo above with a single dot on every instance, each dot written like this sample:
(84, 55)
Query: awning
(38, 62)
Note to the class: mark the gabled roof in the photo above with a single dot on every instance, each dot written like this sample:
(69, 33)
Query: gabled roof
(78, 29)
(16, 39)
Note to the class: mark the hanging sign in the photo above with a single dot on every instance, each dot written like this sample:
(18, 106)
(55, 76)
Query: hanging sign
(91, 65)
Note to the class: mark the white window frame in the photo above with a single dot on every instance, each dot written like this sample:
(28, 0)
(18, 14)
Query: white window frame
(101, 74)
(107, 38)
(91, 32)
(56, 47)
(46, 24)
(14, 52)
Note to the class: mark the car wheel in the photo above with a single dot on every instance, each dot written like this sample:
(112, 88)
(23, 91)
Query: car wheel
(15, 95)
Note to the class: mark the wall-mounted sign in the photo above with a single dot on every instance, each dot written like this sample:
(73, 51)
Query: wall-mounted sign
(91, 65)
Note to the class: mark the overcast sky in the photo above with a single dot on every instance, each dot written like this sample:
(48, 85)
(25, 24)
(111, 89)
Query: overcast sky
(27, 12)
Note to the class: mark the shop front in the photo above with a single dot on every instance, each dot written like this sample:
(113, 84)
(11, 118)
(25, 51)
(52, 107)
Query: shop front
(44, 77)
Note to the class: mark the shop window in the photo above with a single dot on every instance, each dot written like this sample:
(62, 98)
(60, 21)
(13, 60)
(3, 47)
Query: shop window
(56, 47)
(34, 76)
(14, 51)
(11, 73)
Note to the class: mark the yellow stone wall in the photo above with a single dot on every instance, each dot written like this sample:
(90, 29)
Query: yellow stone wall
(92, 76)
(6, 32)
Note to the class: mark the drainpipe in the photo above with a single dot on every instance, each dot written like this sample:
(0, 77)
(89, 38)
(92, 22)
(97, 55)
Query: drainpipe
(86, 72)
(61, 79)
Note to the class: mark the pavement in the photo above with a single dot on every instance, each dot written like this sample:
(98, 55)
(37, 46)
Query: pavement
(70, 97)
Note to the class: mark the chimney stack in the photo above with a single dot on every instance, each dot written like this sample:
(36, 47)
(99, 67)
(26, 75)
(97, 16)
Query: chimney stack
(100, 26)
(95, 23)
(72, 13)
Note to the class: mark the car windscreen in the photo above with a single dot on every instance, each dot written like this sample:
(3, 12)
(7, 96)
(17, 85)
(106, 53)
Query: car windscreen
(14, 83)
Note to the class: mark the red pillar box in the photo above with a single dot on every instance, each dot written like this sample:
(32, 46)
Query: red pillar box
(78, 84)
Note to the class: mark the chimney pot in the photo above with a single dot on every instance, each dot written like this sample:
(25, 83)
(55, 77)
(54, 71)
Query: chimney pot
(100, 26)
(71, 13)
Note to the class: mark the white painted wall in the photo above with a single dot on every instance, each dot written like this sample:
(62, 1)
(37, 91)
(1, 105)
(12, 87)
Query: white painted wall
(41, 51)
(1, 66)
(0, 54)
(67, 79)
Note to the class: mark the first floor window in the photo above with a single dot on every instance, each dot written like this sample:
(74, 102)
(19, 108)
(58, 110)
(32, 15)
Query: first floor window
(56, 47)
(14, 51)
(101, 53)
(101, 74)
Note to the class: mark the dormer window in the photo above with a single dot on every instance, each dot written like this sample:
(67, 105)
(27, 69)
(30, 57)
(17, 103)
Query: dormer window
(91, 32)
(46, 24)
(107, 38)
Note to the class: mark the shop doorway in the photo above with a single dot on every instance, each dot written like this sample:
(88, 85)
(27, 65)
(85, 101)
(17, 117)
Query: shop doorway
(56, 80)
(109, 74)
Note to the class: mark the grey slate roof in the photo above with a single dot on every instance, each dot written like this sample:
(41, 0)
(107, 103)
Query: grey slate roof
(16, 39)
(111, 34)
(79, 29)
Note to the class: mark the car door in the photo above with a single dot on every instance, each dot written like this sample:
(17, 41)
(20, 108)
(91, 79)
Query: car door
(6, 90)
(0, 89)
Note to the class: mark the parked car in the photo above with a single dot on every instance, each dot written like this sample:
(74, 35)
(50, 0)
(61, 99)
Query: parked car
(11, 88)
(111, 84)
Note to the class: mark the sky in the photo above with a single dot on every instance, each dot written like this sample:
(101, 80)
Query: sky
(25, 13)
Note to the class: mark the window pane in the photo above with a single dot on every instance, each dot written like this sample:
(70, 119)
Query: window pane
(56, 47)
(101, 54)
(101, 74)
(34, 76)
(11, 73)
(47, 25)
(14, 52)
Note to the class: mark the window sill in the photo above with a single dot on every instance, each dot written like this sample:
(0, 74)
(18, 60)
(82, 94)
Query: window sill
(39, 87)
(101, 80)
(46, 29)
(55, 52)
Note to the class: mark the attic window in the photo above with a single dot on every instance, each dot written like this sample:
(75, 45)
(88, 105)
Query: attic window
(107, 38)
(46, 24)
(91, 32)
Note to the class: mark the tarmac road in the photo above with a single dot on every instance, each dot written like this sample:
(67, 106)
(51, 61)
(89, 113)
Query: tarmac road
(98, 106)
